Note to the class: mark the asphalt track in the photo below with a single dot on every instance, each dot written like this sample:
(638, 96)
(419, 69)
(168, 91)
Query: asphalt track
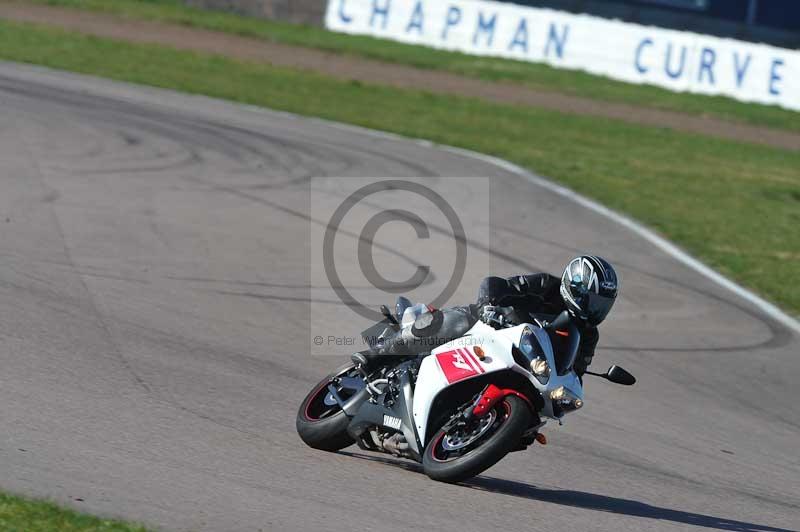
(154, 304)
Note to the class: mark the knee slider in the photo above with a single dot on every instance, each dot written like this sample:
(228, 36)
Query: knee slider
(428, 324)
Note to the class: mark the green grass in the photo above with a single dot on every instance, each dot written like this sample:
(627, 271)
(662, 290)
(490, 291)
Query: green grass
(24, 515)
(533, 75)
(735, 205)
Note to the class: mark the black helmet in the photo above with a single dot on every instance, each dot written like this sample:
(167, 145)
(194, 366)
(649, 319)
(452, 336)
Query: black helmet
(589, 287)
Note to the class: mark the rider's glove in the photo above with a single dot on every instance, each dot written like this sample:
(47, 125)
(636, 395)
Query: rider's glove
(491, 315)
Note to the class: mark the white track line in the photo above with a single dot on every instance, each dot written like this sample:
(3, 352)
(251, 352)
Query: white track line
(144, 94)
(661, 243)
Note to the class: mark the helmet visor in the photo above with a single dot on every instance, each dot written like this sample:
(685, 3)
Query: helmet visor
(597, 307)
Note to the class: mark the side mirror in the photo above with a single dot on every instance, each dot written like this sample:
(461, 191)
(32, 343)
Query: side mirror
(618, 375)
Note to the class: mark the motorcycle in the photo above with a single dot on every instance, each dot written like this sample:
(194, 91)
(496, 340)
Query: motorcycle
(460, 409)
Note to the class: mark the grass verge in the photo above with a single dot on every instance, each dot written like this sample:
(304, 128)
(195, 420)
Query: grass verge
(536, 76)
(24, 515)
(734, 205)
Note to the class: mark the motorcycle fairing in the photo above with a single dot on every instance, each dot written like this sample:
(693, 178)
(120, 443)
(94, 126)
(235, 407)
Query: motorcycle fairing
(456, 362)
(386, 415)
(459, 364)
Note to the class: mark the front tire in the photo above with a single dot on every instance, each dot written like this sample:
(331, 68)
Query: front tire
(322, 426)
(445, 461)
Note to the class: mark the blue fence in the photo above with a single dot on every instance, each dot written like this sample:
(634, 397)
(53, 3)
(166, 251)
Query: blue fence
(775, 22)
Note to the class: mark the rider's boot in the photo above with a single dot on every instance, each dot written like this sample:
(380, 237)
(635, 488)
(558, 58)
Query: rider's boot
(429, 331)
(386, 351)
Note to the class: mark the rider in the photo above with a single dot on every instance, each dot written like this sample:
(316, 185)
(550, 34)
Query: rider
(587, 290)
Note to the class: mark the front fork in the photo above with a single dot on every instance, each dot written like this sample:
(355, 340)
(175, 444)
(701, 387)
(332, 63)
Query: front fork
(491, 395)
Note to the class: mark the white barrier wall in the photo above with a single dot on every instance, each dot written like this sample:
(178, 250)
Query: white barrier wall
(680, 61)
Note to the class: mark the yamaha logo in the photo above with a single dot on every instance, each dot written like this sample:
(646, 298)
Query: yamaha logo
(392, 422)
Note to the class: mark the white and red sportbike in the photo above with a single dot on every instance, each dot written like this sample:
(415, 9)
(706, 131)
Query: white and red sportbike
(460, 409)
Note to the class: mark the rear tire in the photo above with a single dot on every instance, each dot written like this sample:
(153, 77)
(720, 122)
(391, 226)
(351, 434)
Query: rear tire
(321, 428)
(513, 416)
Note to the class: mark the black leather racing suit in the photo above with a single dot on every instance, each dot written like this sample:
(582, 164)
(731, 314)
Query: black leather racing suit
(536, 294)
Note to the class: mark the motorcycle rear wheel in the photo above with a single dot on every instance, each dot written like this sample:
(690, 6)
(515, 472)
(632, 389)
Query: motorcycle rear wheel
(457, 454)
(322, 426)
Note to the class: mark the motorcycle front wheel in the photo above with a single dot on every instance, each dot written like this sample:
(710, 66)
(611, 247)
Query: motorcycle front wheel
(463, 451)
(321, 423)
